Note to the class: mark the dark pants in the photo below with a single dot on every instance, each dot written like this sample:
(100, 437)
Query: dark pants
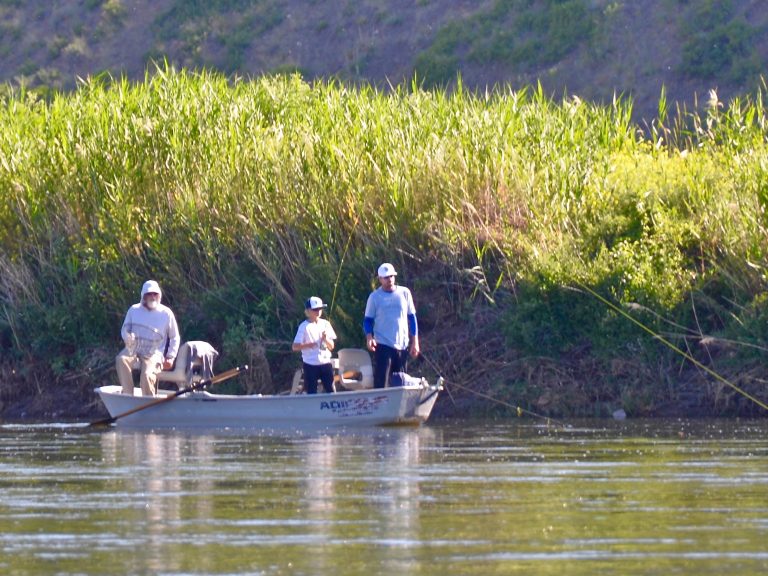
(323, 372)
(387, 360)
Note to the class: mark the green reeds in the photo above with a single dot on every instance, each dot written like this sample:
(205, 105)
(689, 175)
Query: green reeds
(242, 192)
(130, 174)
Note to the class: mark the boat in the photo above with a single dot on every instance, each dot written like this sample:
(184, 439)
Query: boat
(355, 404)
(398, 405)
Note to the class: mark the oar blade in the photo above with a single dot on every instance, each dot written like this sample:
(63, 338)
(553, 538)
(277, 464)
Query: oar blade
(102, 423)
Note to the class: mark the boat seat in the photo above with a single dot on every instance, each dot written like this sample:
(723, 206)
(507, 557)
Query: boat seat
(355, 369)
(193, 363)
(297, 386)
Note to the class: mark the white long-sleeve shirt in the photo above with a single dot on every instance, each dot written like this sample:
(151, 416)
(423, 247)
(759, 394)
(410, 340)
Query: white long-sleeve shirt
(153, 328)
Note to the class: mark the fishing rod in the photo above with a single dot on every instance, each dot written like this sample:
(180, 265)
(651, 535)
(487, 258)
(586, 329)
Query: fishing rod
(520, 411)
(341, 265)
(666, 342)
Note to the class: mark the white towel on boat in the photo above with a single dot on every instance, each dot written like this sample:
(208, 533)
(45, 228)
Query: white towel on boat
(206, 353)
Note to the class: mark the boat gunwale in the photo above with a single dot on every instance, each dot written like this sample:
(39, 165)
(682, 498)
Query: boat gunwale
(114, 390)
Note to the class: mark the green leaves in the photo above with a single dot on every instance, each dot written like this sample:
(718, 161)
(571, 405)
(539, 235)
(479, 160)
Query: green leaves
(237, 193)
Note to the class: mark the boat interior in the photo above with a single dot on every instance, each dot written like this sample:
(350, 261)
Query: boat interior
(193, 363)
(352, 367)
(353, 370)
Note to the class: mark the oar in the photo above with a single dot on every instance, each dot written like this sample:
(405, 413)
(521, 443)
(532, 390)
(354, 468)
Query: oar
(200, 385)
(348, 375)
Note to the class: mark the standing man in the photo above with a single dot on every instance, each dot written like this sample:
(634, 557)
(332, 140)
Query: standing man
(151, 338)
(391, 329)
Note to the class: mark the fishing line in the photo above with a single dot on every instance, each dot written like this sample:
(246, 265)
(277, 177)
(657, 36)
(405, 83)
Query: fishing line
(341, 265)
(683, 353)
(518, 409)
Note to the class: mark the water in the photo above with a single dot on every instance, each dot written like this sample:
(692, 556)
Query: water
(652, 497)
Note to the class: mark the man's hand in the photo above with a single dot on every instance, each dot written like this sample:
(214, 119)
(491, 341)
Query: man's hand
(167, 364)
(130, 343)
(415, 350)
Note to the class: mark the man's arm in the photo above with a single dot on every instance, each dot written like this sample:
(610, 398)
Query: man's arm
(174, 340)
(413, 327)
(413, 333)
(368, 323)
(370, 341)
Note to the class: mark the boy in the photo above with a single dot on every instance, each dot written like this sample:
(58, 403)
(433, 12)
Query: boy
(315, 340)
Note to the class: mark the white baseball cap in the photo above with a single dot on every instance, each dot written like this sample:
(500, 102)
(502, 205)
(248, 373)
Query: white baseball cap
(150, 286)
(386, 269)
(314, 303)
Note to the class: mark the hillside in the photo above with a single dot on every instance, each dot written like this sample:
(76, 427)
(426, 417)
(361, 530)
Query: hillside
(589, 48)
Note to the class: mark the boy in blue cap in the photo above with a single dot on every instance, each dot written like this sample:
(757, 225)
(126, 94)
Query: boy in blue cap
(315, 340)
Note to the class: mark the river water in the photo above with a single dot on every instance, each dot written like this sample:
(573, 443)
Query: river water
(452, 497)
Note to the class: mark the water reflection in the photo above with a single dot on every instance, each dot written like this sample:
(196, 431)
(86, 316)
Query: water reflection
(364, 489)
(398, 457)
(378, 472)
(457, 498)
(151, 463)
(352, 487)
(321, 457)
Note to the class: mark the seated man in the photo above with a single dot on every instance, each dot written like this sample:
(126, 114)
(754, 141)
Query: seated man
(148, 327)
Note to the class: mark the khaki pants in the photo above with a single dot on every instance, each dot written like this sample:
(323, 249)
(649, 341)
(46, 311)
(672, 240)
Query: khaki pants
(150, 368)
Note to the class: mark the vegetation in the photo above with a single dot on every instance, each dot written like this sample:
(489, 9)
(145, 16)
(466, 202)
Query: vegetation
(718, 43)
(518, 32)
(197, 22)
(242, 198)
(592, 48)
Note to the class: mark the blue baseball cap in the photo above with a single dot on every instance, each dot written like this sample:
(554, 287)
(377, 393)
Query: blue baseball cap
(314, 303)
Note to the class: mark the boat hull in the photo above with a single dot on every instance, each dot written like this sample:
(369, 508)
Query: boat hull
(406, 405)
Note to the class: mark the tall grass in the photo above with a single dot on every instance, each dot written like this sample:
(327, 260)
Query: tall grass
(243, 197)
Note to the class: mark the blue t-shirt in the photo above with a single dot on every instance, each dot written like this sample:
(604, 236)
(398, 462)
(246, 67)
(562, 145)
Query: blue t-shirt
(390, 311)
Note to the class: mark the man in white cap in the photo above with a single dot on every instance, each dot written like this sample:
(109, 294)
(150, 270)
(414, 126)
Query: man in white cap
(315, 340)
(151, 338)
(391, 329)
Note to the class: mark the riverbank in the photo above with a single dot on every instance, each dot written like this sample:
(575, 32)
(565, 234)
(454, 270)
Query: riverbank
(484, 377)
(503, 212)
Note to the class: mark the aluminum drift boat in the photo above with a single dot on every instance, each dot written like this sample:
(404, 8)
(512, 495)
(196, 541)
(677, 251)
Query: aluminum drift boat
(410, 404)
